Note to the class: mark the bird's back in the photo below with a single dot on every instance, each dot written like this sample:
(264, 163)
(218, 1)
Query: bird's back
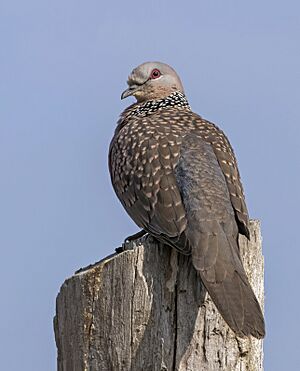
(145, 151)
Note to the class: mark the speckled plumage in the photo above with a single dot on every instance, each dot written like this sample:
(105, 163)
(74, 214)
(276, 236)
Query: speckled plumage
(177, 177)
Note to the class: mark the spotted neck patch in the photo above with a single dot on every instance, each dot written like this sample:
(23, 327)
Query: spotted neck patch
(176, 99)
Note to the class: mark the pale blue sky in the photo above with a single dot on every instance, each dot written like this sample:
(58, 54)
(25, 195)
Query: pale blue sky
(63, 65)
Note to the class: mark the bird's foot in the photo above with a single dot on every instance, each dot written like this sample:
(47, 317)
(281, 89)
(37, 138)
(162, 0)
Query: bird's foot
(127, 245)
(135, 236)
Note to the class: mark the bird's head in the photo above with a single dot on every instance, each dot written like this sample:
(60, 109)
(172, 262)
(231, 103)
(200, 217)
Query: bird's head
(152, 80)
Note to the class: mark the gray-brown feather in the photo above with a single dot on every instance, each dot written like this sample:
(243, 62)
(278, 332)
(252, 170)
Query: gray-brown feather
(148, 143)
(213, 234)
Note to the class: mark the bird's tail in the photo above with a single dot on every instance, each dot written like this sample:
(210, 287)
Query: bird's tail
(216, 257)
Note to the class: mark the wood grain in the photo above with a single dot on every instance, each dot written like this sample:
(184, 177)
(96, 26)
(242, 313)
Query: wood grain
(146, 309)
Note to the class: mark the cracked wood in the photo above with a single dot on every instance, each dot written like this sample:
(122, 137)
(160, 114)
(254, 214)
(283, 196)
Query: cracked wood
(145, 309)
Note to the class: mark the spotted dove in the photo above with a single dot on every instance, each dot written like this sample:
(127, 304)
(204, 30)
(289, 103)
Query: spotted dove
(177, 177)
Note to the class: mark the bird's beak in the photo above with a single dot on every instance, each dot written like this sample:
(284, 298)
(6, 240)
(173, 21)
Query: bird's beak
(130, 91)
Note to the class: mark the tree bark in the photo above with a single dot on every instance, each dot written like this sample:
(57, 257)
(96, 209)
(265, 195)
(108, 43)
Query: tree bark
(146, 309)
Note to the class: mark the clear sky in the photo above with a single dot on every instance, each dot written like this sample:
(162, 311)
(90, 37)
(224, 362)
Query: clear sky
(63, 65)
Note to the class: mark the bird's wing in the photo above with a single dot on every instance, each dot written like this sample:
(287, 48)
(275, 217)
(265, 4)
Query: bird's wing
(146, 186)
(227, 161)
(212, 232)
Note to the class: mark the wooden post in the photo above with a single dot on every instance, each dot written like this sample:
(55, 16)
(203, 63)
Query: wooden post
(146, 310)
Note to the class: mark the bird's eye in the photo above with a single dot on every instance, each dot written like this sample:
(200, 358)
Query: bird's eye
(155, 74)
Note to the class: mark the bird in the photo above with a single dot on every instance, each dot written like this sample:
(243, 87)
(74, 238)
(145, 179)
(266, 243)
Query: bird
(176, 175)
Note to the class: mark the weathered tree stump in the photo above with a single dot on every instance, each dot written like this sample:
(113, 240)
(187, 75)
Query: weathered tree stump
(146, 310)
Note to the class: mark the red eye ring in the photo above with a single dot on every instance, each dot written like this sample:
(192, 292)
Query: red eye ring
(155, 74)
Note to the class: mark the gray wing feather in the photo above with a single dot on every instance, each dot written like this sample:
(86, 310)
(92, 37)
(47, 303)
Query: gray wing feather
(213, 232)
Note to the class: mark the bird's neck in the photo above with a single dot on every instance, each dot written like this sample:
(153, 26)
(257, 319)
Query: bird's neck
(175, 100)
